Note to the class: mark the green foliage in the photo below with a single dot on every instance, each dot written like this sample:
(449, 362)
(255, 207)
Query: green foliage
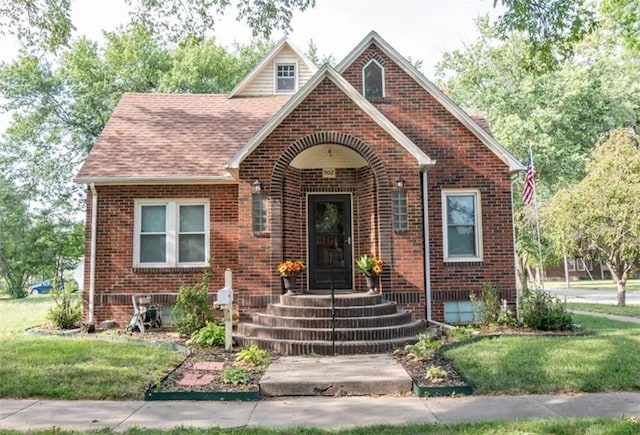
(506, 317)
(436, 373)
(67, 309)
(210, 335)
(235, 375)
(545, 312)
(460, 333)
(485, 306)
(191, 310)
(253, 356)
(425, 347)
(599, 217)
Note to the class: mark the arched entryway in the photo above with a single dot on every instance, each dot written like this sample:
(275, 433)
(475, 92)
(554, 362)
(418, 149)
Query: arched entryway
(327, 174)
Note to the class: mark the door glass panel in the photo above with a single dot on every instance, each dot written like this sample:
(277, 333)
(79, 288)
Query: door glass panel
(330, 233)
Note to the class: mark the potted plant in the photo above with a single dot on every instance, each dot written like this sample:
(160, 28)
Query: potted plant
(288, 271)
(371, 267)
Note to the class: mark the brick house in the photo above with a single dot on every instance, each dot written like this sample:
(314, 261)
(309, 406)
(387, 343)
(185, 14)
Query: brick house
(321, 165)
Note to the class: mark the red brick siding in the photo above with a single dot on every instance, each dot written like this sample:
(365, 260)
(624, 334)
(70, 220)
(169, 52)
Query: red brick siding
(462, 162)
(115, 276)
(327, 109)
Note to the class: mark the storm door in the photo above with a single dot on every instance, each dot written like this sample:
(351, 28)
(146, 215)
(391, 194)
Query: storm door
(329, 228)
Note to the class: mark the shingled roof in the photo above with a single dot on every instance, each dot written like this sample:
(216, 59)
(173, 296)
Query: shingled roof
(175, 137)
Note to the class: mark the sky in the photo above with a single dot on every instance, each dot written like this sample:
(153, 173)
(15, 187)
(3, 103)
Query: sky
(420, 29)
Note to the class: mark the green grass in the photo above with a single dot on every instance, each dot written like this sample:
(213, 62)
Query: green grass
(633, 285)
(629, 310)
(71, 368)
(604, 361)
(573, 426)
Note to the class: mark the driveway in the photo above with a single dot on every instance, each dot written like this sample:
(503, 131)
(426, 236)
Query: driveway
(595, 296)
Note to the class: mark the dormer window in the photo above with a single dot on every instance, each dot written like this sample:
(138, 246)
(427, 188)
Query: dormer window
(285, 77)
(373, 80)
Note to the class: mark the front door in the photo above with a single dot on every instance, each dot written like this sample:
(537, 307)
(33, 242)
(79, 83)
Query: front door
(329, 227)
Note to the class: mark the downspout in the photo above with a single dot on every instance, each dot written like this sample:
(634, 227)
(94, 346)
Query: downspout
(515, 252)
(427, 254)
(92, 261)
(427, 251)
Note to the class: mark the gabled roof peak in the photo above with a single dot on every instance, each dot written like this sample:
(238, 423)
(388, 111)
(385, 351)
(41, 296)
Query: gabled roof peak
(273, 53)
(485, 137)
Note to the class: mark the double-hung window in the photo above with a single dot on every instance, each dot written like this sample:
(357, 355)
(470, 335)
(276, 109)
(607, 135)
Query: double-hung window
(285, 77)
(462, 225)
(171, 233)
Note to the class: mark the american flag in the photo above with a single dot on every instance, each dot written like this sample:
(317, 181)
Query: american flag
(529, 186)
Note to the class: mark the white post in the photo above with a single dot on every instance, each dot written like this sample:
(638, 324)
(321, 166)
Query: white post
(228, 311)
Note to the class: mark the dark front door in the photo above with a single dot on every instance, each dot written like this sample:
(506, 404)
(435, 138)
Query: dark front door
(330, 242)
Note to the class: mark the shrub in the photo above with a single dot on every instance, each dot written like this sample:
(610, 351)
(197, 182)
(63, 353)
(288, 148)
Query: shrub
(424, 347)
(436, 373)
(460, 333)
(235, 375)
(540, 310)
(67, 309)
(485, 306)
(210, 335)
(253, 356)
(191, 311)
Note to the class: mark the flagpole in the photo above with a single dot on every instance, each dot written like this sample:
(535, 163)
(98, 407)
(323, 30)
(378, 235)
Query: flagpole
(536, 216)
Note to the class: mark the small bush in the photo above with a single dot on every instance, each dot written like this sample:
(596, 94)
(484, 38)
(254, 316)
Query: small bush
(506, 317)
(191, 311)
(424, 347)
(436, 373)
(485, 306)
(235, 375)
(67, 309)
(210, 335)
(253, 356)
(540, 310)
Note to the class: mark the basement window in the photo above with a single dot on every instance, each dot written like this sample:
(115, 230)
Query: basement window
(458, 312)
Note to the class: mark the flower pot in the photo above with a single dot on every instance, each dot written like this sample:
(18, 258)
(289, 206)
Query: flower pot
(289, 283)
(372, 283)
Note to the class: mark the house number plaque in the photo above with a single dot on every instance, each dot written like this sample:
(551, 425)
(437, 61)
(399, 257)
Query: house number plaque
(328, 173)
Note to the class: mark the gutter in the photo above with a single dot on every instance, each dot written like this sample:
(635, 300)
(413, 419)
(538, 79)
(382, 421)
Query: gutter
(92, 261)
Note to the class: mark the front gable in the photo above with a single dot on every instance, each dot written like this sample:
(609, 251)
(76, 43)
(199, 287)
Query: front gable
(328, 73)
(375, 50)
(284, 70)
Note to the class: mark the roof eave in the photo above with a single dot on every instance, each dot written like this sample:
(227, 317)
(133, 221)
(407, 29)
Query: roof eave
(123, 180)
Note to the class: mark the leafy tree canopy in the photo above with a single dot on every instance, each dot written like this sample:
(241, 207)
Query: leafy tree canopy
(599, 217)
(46, 24)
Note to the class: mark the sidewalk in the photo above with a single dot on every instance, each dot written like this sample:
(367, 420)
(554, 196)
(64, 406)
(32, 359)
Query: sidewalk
(338, 412)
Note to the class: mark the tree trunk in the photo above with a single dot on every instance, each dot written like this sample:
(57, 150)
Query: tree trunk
(622, 292)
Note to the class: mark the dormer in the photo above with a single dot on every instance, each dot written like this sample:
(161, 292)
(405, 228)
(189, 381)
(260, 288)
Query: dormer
(284, 70)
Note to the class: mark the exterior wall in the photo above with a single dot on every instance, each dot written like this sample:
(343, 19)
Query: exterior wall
(462, 161)
(116, 279)
(263, 82)
(328, 110)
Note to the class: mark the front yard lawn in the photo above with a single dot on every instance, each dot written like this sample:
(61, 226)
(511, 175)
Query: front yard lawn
(607, 360)
(71, 368)
(629, 310)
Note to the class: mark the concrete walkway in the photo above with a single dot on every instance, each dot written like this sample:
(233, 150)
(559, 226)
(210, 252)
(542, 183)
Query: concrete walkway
(325, 412)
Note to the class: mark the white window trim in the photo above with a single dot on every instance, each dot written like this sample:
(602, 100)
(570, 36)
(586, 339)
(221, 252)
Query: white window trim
(173, 209)
(295, 78)
(478, 224)
(364, 88)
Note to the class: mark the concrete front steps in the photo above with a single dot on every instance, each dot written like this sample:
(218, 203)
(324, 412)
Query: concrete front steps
(303, 325)
(343, 375)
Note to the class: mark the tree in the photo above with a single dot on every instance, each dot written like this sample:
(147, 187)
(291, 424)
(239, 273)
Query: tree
(60, 108)
(599, 217)
(46, 24)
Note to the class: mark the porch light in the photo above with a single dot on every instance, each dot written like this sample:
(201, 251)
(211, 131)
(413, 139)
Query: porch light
(400, 183)
(257, 186)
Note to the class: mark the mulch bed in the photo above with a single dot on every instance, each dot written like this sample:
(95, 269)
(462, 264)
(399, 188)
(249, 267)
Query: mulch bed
(417, 369)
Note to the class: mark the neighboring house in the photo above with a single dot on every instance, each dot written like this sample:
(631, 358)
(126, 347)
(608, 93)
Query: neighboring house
(320, 165)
